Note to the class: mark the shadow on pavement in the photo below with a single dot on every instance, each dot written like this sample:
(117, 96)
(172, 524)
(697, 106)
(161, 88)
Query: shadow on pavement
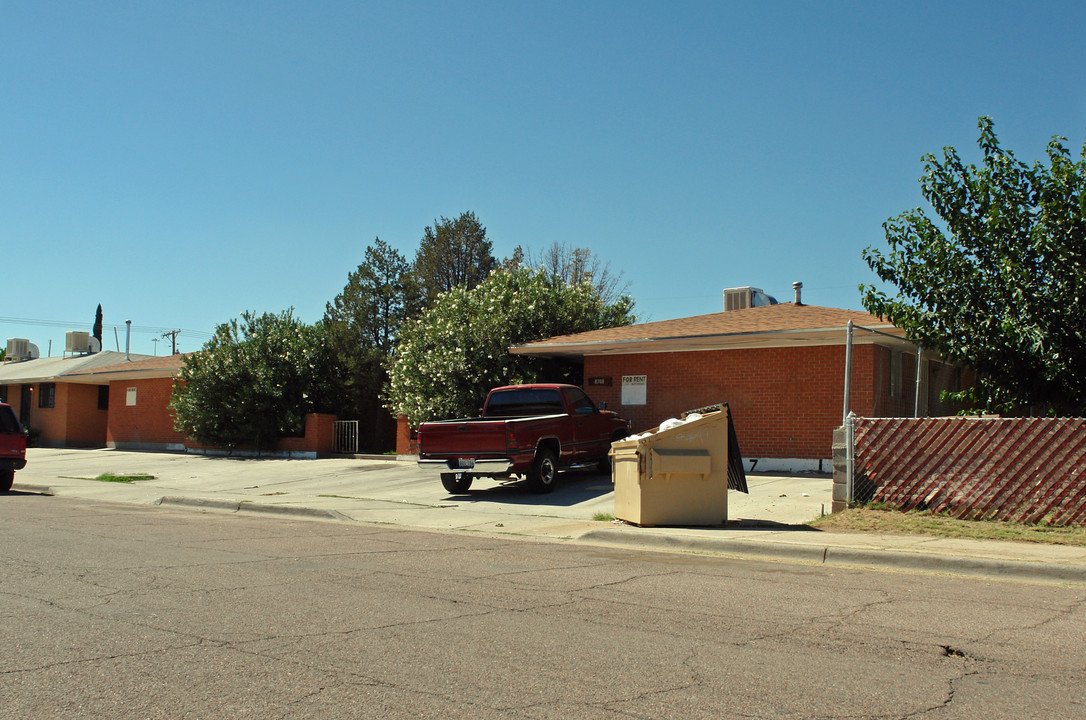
(746, 524)
(574, 487)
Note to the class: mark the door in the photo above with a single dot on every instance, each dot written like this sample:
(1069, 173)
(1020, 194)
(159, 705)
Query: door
(25, 398)
(591, 431)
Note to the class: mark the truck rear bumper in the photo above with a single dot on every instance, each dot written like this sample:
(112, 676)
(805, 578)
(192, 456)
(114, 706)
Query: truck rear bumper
(483, 466)
(17, 463)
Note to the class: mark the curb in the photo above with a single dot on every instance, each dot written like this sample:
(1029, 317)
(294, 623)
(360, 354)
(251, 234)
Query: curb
(810, 553)
(31, 488)
(246, 506)
(848, 557)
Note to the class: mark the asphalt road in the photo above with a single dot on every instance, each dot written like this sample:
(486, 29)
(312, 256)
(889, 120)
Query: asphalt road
(124, 611)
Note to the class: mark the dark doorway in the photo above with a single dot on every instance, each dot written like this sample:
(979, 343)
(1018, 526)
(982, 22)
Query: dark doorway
(25, 398)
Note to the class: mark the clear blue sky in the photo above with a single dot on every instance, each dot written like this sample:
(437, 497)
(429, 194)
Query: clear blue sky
(182, 162)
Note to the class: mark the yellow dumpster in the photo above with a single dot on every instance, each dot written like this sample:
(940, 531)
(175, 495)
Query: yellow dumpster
(679, 472)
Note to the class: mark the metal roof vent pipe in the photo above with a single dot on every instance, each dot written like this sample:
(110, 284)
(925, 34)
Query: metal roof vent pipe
(798, 287)
(127, 339)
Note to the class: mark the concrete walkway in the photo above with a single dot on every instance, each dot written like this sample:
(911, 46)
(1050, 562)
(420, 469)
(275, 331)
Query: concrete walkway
(766, 524)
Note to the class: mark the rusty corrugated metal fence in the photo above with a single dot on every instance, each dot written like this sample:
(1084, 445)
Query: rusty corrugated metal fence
(1024, 470)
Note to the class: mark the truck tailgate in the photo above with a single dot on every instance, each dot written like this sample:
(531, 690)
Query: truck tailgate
(462, 437)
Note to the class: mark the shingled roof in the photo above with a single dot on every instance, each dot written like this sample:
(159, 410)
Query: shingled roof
(779, 325)
(161, 366)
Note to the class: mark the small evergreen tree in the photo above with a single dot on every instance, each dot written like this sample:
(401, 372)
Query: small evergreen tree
(96, 332)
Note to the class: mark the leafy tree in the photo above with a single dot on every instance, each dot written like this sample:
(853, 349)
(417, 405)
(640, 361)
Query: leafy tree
(448, 358)
(576, 265)
(453, 253)
(254, 381)
(96, 331)
(362, 323)
(999, 284)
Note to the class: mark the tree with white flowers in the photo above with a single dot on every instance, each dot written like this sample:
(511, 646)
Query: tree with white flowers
(448, 358)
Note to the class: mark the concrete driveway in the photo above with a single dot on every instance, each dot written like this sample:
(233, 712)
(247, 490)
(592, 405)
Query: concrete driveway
(379, 490)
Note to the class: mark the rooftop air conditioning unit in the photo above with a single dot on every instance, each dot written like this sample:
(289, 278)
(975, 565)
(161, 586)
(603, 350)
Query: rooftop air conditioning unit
(76, 341)
(21, 349)
(741, 298)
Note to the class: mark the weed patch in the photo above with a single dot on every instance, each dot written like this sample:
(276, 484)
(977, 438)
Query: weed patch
(123, 478)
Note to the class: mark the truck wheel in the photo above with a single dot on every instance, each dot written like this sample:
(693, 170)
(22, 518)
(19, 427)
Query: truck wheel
(456, 483)
(7, 477)
(544, 472)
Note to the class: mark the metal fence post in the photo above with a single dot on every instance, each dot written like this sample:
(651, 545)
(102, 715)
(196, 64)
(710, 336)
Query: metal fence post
(850, 454)
(848, 371)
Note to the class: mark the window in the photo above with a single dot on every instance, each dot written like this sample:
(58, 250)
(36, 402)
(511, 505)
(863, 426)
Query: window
(523, 402)
(103, 397)
(895, 373)
(581, 403)
(8, 424)
(3, 393)
(47, 395)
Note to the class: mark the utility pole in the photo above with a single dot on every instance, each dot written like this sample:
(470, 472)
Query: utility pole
(172, 335)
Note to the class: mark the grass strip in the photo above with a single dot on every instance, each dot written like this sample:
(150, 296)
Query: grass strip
(876, 519)
(123, 477)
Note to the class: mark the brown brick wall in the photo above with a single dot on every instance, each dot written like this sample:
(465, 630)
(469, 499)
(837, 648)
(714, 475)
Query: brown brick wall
(785, 401)
(319, 436)
(73, 421)
(149, 421)
(406, 443)
(85, 424)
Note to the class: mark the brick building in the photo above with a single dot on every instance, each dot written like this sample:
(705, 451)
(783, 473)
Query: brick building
(139, 395)
(59, 410)
(780, 368)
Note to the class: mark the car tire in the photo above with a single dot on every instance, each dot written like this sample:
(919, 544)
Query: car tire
(455, 483)
(7, 478)
(544, 473)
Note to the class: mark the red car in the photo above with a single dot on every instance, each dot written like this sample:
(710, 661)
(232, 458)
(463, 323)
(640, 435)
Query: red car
(12, 447)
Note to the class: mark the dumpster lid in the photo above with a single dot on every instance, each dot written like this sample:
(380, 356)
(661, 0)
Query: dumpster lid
(737, 477)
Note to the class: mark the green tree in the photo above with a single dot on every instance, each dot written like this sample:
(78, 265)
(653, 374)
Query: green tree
(451, 254)
(96, 331)
(449, 357)
(999, 282)
(362, 324)
(255, 381)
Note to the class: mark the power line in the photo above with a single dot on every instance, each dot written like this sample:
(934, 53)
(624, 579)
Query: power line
(143, 329)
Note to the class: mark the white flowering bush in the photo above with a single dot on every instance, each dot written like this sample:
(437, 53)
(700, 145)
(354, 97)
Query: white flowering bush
(448, 358)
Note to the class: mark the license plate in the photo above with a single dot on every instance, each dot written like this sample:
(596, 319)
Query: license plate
(465, 463)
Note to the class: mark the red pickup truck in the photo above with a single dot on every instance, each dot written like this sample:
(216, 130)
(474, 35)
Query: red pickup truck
(12, 447)
(532, 431)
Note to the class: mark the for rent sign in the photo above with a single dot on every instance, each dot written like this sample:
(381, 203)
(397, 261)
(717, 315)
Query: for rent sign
(634, 389)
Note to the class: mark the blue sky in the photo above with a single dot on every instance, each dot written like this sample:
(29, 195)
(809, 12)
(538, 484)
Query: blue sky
(180, 163)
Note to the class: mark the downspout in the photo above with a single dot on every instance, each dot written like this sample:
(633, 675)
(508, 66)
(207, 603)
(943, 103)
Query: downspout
(919, 361)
